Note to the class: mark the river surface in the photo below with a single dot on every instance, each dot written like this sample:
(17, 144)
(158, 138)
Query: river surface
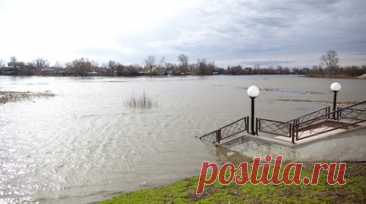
(86, 143)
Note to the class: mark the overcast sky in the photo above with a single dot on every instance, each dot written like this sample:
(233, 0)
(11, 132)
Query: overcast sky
(247, 32)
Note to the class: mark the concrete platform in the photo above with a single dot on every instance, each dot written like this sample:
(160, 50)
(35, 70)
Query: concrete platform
(341, 146)
(321, 130)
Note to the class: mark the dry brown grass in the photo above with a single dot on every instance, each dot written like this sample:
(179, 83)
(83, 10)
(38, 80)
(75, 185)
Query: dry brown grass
(13, 96)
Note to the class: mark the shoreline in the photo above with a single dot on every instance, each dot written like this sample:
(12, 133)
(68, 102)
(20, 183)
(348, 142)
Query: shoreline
(146, 75)
(361, 77)
(337, 76)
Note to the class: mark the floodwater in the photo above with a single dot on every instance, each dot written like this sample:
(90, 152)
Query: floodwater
(86, 143)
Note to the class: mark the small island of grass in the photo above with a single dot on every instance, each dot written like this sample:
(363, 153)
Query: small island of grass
(13, 96)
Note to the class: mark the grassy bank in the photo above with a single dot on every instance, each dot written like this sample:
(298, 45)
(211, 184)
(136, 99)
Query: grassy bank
(337, 76)
(184, 192)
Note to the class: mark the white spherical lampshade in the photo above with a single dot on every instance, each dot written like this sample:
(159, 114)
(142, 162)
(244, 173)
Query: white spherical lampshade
(253, 91)
(335, 86)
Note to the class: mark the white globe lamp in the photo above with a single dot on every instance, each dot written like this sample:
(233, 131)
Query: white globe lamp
(335, 86)
(253, 91)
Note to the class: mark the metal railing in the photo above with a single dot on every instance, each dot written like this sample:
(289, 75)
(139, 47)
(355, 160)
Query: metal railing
(273, 127)
(352, 114)
(297, 129)
(344, 117)
(291, 127)
(315, 115)
(230, 130)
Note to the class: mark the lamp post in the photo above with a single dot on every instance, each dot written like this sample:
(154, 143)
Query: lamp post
(335, 87)
(253, 92)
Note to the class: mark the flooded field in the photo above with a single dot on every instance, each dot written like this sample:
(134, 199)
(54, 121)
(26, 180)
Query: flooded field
(100, 136)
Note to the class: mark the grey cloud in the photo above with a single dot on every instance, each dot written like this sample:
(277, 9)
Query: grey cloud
(248, 29)
(270, 21)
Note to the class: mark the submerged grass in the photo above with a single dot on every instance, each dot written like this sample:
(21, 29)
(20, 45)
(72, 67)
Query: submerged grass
(13, 96)
(184, 192)
(142, 102)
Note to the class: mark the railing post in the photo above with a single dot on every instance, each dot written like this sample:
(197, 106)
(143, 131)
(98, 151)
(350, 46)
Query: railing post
(246, 121)
(290, 130)
(292, 133)
(296, 129)
(339, 113)
(218, 136)
(257, 126)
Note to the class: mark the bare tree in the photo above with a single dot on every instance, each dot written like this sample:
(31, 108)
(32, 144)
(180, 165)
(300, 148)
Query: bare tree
(81, 67)
(204, 68)
(112, 64)
(150, 63)
(40, 63)
(13, 62)
(330, 61)
(183, 60)
(182, 68)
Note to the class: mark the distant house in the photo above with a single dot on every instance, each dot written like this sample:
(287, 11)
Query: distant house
(16, 64)
(8, 71)
(92, 73)
(105, 71)
(14, 68)
(53, 71)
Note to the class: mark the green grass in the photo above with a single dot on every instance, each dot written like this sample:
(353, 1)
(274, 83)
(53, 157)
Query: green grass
(184, 192)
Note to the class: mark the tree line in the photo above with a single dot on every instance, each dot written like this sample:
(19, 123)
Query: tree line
(329, 67)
